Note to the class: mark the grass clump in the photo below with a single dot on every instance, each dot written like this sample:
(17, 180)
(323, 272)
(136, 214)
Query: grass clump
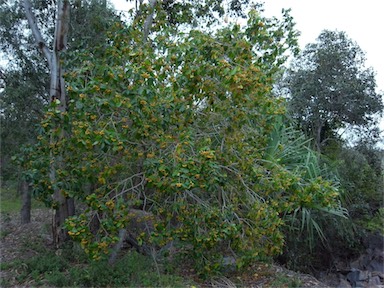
(282, 280)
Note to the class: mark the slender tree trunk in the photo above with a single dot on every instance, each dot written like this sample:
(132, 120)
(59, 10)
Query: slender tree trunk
(64, 206)
(25, 212)
(149, 20)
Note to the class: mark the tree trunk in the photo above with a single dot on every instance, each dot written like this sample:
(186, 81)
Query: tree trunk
(64, 207)
(149, 20)
(25, 212)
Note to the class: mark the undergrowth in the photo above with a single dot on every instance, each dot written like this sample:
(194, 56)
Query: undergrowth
(375, 223)
(69, 267)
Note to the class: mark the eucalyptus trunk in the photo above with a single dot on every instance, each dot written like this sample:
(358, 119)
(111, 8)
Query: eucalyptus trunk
(64, 206)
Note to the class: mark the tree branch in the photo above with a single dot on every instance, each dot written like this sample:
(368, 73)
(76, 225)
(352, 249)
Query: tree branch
(62, 25)
(42, 46)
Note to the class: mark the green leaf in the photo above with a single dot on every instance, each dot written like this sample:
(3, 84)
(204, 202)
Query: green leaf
(79, 105)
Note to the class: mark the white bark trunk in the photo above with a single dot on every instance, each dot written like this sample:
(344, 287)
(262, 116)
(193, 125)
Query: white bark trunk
(149, 19)
(57, 92)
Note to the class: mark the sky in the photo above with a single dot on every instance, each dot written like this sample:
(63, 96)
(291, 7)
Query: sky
(363, 22)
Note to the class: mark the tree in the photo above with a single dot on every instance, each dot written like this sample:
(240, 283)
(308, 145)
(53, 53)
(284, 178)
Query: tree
(24, 94)
(178, 126)
(329, 88)
(57, 94)
(186, 12)
(24, 90)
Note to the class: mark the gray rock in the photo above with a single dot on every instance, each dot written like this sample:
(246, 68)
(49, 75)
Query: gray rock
(357, 277)
(376, 265)
(376, 273)
(355, 264)
(375, 280)
(360, 284)
(344, 284)
(229, 264)
(362, 262)
(364, 275)
(353, 276)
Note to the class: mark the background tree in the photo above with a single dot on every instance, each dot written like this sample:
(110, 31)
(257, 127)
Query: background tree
(25, 84)
(330, 88)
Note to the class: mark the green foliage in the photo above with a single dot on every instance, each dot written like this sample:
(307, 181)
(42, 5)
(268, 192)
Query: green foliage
(180, 127)
(71, 269)
(191, 13)
(362, 181)
(307, 225)
(24, 78)
(289, 149)
(340, 237)
(330, 88)
(375, 223)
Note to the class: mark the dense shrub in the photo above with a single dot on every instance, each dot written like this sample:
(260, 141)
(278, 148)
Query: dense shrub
(187, 130)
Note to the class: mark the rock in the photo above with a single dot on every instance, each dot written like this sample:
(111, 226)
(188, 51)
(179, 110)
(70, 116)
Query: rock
(353, 276)
(364, 275)
(331, 279)
(344, 284)
(359, 284)
(356, 277)
(368, 269)
(362, 262)
(376, 266)
(374, 281)
(379, 274)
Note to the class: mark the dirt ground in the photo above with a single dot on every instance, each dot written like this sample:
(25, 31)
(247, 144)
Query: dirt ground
(16, 238)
